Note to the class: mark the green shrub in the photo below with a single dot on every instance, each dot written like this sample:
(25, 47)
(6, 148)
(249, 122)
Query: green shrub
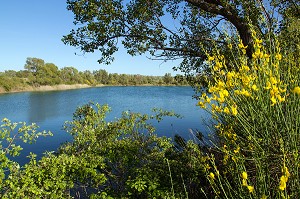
(119, 159)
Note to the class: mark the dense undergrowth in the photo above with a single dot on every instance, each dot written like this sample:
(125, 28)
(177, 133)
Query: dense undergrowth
(254, 151)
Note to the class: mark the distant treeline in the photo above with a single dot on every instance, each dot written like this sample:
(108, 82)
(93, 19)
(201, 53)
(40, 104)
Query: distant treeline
(38, 73)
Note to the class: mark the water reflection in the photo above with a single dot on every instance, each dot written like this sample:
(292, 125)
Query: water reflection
(42, 106)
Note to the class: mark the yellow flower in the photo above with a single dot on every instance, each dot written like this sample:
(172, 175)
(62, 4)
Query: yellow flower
(226, 110)
(225, 93)
(254, 87)
(274, 90)
(245, 93)
(212, 175)
(273, 100)
(234, 110)
(282, 184)
(237, 150)
(207, 99)
(286, 172)
(268, 86)
(234, 136)
(234, 159)
(201, 104)
(218, 126)
(250, 188)
(211, 89)
(241, 45)
(278, 56)
(296, 90)
(244, 175)
(244, 182)
(221, 84)
(237, 92)
(257, 53)
(245, 68)
(218, 66)
(258, 41)
(216, 108)
(273, 80)
(243, 51)
(267, 57)
(280, 99)
(282, 90)
(210, 58)
(230, 75)
(246, 80)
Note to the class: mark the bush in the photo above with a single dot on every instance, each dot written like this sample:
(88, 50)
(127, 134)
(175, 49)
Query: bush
(118, 159)
(256, 107)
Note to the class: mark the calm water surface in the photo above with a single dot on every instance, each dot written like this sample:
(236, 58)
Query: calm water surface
(51, 109)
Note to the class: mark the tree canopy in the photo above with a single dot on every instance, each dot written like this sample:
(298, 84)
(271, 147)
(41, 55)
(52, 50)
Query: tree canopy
(172, 29)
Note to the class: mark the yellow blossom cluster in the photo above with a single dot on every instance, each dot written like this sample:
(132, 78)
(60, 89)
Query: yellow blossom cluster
(244, 176)
(276, 89)
(284, 178)
(296, 90)
(249, 79)
(244, 95)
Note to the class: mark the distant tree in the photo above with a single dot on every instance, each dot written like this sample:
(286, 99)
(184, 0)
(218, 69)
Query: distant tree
(48, 74)
(88, 77)
(101, 76)
(23, 74)
(33, 64)
(10, 73)
(123, 79)
(168, 79)
(113, 78)
(70, 75)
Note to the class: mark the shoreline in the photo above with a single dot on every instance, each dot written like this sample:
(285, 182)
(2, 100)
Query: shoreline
(61, 87)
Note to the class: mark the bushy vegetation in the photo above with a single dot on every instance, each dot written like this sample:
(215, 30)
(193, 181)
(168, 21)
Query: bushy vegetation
(256, 107)
(252, 92)
(120, 159)
(38, 73)
(253, 152)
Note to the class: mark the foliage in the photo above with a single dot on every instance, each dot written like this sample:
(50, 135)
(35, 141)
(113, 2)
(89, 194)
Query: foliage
(252, 93)
(38, 73)
(136, 163)
(256, 107)
(9, 134)
(118, 159)
(172, 29)
(9, 81)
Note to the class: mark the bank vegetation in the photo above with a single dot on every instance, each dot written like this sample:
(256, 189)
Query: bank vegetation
(40, 76)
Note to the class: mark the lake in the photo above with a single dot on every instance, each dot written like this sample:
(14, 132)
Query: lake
(51, 109)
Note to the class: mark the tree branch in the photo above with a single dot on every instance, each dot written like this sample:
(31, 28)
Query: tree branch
(231, 14)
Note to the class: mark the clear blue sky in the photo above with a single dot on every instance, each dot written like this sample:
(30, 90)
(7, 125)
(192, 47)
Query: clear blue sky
(34, 28)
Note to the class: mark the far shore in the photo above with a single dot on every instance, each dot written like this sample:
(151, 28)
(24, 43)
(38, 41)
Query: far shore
(63, 87)
(47, 88)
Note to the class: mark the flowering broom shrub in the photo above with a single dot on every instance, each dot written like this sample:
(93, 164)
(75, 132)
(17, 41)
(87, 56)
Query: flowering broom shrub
(256, 105)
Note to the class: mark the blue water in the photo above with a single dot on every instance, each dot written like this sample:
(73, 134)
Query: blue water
(51, 109)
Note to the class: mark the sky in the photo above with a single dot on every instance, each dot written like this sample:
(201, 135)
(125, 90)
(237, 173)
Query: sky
(34, 28)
